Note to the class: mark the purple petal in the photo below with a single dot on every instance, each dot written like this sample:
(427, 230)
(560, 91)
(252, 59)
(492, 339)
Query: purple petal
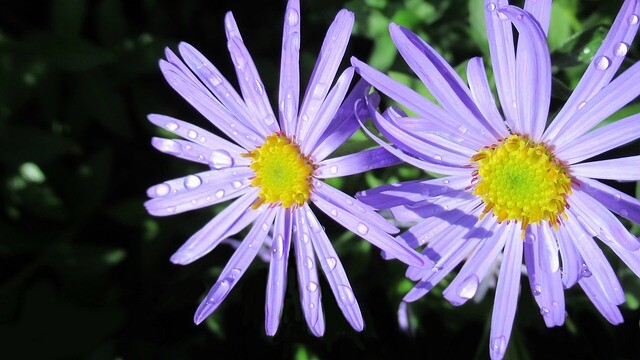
(481, 94)
(546, 286)
(533, 68)
(199, 136)
(344, 123)
(229, 221)
(289, 89)
(466, 283)
(236, 266)
(603, 67)
(353, 206)
(251, 85)
(355, 163)
(600, 140)
(334, 272)
(217, 84)
(277, 283)
(197, 153)
(621, 169)
(197, 191)
(599, 299)
(596, 264)
(369, 230)
(388, 196)
(308, 283)
(421, 128)
(616, 201)
(201, 99)
(506, 299)
(310, 131)
(441, 80)
(331, 53)
(571, 260)
(429, 208)
(600, 222)
(541, 11)
(503, 58)
(451, 250)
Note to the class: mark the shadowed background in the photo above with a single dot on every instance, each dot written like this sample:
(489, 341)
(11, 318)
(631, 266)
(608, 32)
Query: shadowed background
(85, 272)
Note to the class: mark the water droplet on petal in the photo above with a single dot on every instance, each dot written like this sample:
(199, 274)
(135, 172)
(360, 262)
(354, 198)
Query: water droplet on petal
(162, 189)
(585, 271)
(293, 17)
(502, 16)
(491, 7)
(305, 238)
(333, 169)
(309, 263)
(319, 90)
(624, 212)
(236, 184)
(191, 134)
(215, 80)
(468, 287)
(537, 289)
(633, 20)
(220, 159)
(171, 209)
(621, 49)
(219, 193)
(617, 197)
(172, 126)
(437, 157)
(334, 212)
(582, 104)
(234, 273)
(544, 311)
(362, 229)
(312, 287)
(462, 129)
(219, 291)
(258, 87)
(530, 238)
(278, 247)
(346, 295)
(331, 263)
(192, 182)
(498, 344)
(602, 63)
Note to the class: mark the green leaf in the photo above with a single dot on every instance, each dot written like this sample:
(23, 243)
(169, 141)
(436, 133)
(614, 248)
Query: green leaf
(67, 16)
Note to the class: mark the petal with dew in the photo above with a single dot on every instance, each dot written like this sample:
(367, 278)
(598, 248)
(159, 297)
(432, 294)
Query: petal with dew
(277, 280)
(598, 297)
(614, 200)
(289, 88)
(236, 266)
(356, 163)
(621, 169)
(481, 94)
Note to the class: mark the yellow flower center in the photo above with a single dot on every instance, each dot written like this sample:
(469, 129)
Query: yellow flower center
(283, 174)
(521, 180)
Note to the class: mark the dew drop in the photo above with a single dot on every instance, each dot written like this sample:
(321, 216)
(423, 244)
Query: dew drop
(219, 193)
(544, 311)
(537, 289)
(172, 126)
(502, 16)
(269, 119)
(633, 20)
(162, 189)
(312, 287)
(585, 271)
(311, 306)
(333, 169)
(258, 87)
(491, 7)
(621, 49)
(498, 344)
(265, 227)
(602, 63)
(236, 184)
(191, 134)
(462, 129)
(305, 238)
(234, 273)
(334, 212)
(530, 238)
(192, 182)
(362, 229)
(319, 90)
(617, 197)
(293, 17)
(346, 295)
(309, 263)
(331, 263)
(555, 304)
(468, 287)
(624, 212)
(219, 291)
(171, 209)
(445, 181)
(220, 159)
(437, 157)
(278, 248)
(582, 104)
(215, 80)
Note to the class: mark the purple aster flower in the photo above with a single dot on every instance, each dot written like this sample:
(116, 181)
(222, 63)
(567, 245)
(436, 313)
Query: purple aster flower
(513, 187)
(274, 170)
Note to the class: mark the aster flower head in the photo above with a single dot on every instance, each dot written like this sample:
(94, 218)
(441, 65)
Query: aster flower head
(512, 185)
(274, 169)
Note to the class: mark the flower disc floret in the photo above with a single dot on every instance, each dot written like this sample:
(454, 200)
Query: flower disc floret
(521, 180)
(282, 172)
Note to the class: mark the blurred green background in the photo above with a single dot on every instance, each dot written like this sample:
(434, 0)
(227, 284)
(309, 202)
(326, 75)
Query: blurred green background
(84, 271)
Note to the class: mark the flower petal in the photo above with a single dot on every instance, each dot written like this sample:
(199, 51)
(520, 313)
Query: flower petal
(251, 85)
(603, 67)
(198, 135)
(289, 89)
(506, 299)
(600, 140)
(533, 70)
(216, 159)
(197, 191)
(481, 94)
(541, 11)
(310, 131)
(308, 283)
(367, 230)
(334, 272)
(571, 260)
(599, 299)
(355, 163)
(614, 200)
(229, 221)
(621, 169)
(217, 84)
(441, 80)
(277, 281)
(503, 58)
(237, 265)
(202, 100)
(329, 58)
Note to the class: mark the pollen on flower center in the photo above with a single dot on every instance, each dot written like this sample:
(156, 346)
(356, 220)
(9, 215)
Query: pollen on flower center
(282, 173)
(521, 180)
